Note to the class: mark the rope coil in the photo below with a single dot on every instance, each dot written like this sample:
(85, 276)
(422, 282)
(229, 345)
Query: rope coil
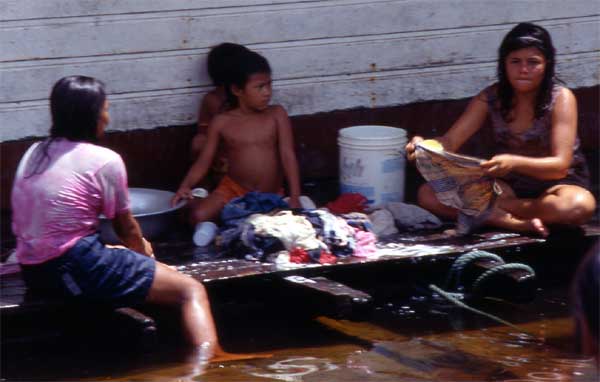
(455, 273)
(500, 269)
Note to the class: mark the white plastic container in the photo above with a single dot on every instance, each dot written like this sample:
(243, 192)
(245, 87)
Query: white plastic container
(204, 233)
(372, 162)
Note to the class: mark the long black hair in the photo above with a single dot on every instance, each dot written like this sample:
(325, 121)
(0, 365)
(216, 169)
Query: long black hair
(76, 103)
(249, 63)
(526, 35)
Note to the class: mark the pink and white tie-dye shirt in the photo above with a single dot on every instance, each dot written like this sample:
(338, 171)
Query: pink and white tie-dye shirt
(54, 208)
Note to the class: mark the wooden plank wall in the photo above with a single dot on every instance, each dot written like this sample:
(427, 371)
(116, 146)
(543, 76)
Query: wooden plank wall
(326, 55)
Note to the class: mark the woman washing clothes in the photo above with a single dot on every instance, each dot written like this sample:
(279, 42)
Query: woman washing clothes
(537, 160)
(61, 187)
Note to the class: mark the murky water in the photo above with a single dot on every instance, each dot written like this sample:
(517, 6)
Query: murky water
(405, 339)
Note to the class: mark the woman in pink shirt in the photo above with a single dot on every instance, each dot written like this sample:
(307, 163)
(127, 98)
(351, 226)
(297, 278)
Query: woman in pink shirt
(61, 187)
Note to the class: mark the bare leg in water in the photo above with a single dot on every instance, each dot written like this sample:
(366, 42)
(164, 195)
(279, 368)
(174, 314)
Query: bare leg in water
(499, 217)
(176, 289)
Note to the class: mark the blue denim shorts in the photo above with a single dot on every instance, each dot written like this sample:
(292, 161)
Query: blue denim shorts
(92, 272)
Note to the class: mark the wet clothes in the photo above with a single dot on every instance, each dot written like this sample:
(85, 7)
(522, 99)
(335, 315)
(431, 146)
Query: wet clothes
(334, 231)
(348, 202)
(233, 229)
(320, 235)
(89, 271)
(533, 142)
(59, 193)
(292, 230)
(365, 243)
(251, 203)
(409, 217)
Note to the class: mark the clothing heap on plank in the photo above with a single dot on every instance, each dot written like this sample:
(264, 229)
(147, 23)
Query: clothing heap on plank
(258, 225)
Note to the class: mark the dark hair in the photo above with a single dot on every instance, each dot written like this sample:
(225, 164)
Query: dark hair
(76, 103)
(221, 59)
(526, 35)
(586, 294)
(250, 63)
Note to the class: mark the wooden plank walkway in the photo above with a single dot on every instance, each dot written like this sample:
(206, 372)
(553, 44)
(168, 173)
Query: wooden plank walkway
(194, 261)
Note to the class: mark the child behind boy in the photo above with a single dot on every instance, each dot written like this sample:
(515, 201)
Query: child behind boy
(258, 142)
(220, 61)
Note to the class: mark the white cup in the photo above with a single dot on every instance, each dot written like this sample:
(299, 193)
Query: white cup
(199, 193)
(204, 233)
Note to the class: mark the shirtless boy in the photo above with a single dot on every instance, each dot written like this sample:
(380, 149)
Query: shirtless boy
(258, 142)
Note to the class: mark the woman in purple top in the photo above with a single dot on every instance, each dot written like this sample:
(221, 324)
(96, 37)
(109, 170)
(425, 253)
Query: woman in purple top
(540, 168)
(62, 186)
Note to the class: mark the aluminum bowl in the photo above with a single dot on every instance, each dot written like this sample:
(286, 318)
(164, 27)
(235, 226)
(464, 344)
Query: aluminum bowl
(153, 211)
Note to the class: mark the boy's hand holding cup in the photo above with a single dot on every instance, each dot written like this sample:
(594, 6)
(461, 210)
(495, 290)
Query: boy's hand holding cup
(184, 193)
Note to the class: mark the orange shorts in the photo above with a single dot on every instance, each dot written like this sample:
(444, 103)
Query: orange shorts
(229, 189)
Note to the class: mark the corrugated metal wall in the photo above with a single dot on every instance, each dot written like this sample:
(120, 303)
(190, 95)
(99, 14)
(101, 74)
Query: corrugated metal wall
(326, 55)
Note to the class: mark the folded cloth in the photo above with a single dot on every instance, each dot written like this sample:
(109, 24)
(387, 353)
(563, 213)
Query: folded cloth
(409, 217)
(365, 243)
(348, 202)
(383, 222)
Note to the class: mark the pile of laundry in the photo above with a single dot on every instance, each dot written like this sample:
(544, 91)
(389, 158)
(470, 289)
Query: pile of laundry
(261, 226)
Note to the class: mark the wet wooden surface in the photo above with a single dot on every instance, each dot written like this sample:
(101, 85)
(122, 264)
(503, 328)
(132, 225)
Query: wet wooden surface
(197, 263)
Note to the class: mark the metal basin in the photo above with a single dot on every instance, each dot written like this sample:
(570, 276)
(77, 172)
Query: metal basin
(153, 211)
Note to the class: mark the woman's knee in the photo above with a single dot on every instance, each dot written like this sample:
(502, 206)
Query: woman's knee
(192, 290)
(582, 208)
(575, 207)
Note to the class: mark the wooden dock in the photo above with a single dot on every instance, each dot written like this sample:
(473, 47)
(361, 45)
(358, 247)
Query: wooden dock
(194, 261)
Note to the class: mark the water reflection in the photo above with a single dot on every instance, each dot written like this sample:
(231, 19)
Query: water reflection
(404, 340)
(293, 369)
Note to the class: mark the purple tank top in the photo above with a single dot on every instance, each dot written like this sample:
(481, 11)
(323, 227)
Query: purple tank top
(533, 142)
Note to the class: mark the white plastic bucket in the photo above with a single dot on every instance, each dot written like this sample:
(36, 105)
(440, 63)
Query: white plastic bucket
(372, 162)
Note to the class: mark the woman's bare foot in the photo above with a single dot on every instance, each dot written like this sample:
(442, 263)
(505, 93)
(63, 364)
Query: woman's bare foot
(225, 357)
(200, 357)
(208, 353)
(503, 219)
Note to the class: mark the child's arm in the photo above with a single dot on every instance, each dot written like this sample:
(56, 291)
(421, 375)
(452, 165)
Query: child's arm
(467, 124)
(563, 135)
(202, 164)
(209, 107)
(288, 155)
